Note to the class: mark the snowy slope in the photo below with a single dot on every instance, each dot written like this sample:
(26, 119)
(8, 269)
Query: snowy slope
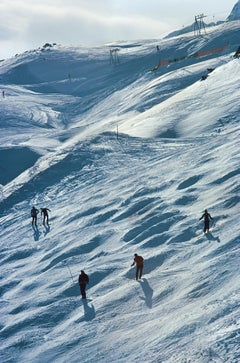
(235, 13)
(127, 159)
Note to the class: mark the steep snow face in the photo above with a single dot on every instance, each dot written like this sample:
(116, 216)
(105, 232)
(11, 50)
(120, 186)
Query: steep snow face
(175, 121)
(126, 159)
(235, 13)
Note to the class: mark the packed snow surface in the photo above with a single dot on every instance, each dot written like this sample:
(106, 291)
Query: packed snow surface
(127, 156)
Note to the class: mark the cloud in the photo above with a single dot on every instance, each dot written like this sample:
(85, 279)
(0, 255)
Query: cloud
(76, 22)
(26, 24)
(88, 27)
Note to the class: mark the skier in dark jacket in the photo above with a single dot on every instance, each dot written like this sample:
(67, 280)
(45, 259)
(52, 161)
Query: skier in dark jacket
(44, 212)
(34, 213)
(138, 260)
(207, 218)
(83, 280)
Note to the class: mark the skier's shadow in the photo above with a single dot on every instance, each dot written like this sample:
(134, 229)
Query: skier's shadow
(210, 237)
(36, 233)
(47, 229)
(148, 292)
(89, 311)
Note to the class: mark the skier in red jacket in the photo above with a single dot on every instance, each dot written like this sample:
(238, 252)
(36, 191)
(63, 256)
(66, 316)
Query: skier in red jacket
(138, 260)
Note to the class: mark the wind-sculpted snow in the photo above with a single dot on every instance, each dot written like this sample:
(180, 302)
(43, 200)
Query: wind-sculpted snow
(132, 172)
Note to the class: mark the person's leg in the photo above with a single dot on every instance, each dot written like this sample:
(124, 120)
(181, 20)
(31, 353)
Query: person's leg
(137, 270)
(140, 270)
(83, 292)
(81, 289)
(206, 226)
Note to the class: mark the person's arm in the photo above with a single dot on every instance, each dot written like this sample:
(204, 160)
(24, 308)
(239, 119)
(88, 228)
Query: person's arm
(201, 217)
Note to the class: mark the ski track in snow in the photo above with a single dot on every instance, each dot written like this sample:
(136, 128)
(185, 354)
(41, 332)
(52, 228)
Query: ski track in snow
(112, 194)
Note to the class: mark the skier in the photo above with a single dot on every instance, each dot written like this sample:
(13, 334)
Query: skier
(237, 54)
(44, 212)
(34, 213)
(83, 280)
(138, 260)
(207, 218)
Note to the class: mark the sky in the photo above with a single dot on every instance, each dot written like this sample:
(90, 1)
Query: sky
(26, 25)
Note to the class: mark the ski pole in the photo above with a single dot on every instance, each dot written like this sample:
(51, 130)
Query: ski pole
(70, 273)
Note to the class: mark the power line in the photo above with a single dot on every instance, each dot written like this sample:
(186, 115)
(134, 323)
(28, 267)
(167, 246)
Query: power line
(199, 24)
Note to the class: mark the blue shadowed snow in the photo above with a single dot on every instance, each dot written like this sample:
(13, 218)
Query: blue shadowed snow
(10, 165)
(126, 159)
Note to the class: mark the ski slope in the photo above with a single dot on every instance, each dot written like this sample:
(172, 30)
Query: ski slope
(127, 159)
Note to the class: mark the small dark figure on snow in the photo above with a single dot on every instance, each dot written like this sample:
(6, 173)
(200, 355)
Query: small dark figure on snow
(138, 260)
(83, 280)
(34, 213)
(44, 213)
(207, 218)
(237, 54)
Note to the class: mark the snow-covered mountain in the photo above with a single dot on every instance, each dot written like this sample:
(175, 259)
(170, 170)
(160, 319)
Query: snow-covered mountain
(127, 146)
(235, 13)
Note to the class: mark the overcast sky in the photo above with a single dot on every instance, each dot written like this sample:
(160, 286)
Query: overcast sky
(28, 24)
